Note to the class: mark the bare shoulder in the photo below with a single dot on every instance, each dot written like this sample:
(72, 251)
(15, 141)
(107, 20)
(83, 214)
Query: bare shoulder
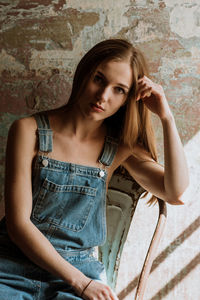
(25, 123)
(23, 133)
(23, 126)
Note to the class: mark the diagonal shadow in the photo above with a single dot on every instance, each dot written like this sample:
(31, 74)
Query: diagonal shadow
(176, 279)
(177, 242)
(163, 255)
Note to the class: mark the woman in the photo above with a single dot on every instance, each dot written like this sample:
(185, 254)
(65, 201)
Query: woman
(59, 164)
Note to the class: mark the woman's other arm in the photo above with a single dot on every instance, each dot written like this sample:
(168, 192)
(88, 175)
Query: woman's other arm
(21, 149)
(170, 182)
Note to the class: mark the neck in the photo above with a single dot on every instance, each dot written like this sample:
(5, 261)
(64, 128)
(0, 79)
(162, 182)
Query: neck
(82, 127)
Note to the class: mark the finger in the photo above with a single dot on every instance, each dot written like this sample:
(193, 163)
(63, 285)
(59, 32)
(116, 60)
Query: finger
(145, 78)
(140, 89)
(141, 86)
(148, 94)
(113, 296)
(145, 92)
(141, 79)
(106, 293)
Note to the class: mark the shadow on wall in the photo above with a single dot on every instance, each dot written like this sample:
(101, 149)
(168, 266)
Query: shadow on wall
(161, 257)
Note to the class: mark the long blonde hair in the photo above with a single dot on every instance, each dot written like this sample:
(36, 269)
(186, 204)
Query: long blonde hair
(132, 122)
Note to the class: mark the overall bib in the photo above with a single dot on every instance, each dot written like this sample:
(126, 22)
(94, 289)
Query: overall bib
(69, 208)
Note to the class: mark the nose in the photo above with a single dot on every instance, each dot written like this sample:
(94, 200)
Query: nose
(103, 94)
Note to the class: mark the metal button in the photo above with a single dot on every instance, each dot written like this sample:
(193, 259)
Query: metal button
(45, 162)
(101, 173)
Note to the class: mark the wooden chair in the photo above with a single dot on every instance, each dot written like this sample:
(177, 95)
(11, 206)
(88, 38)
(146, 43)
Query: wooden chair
(122, 198)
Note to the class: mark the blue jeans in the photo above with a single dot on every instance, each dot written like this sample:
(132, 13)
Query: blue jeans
(22, 279)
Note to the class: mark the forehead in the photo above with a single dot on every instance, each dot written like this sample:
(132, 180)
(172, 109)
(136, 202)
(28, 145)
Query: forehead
(117, 71)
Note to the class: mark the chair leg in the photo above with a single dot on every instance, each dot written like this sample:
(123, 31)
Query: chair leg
(152, 250)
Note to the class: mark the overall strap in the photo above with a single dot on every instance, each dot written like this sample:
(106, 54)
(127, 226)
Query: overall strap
(45, 133)
(109, 150)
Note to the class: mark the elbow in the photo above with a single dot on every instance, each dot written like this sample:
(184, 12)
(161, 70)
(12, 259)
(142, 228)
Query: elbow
(12, 232)
(175, 199)
(16, 231)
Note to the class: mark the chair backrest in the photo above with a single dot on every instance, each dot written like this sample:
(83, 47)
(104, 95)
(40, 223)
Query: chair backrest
(122, 198)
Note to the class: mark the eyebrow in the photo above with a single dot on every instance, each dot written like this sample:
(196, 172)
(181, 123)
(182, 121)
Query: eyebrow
(120, 84)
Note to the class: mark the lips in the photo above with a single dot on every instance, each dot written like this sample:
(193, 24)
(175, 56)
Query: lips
(97, 107)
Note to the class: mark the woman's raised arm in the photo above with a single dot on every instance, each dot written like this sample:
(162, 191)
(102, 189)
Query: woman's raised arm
(170, 182)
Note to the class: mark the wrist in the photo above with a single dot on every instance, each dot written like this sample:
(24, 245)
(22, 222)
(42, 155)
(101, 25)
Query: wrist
(79, 283)
(167, 118)
(82, 293)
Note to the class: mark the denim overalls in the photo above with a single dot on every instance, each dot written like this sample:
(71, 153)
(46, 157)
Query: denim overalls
(69, 208)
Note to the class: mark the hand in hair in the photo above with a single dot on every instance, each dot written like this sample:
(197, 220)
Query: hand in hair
(153, 96)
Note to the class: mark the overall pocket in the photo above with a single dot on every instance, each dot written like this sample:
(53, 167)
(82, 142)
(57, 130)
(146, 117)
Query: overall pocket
(66, 206)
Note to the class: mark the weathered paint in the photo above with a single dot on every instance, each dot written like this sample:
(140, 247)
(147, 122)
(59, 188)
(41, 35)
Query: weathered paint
(41, 42)
(9, 63)
(185, 20)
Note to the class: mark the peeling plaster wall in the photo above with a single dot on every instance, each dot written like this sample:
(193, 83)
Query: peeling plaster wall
(41, 43)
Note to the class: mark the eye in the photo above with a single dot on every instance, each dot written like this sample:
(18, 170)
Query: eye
(98, 79)
(120, 90)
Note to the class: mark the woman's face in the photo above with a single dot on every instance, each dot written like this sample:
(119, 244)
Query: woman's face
(106, 90)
